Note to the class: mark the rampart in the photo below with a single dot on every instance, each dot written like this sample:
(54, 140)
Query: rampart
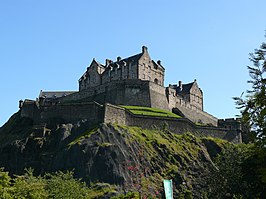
(96, 113)
(195, 115)
(230, 123)
(91, 111)
(114, 114)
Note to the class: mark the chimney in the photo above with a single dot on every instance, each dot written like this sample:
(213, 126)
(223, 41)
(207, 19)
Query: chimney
(144, 49)
(180, 85)
(20, 103)
(118, 59)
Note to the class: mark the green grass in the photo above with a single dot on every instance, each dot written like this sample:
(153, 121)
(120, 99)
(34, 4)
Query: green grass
(139, 110)
(84, 135)
(185, 145)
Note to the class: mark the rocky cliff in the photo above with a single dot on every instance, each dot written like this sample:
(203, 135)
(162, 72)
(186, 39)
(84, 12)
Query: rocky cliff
(130, 157)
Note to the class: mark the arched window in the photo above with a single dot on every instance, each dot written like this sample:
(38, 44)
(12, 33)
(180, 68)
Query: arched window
(156, 81)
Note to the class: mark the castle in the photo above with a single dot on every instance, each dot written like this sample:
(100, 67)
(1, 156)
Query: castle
(135, 81)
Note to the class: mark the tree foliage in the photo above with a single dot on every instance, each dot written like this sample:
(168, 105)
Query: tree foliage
(51, 185)
(237, 173)
(253, 107)
(63, 185)
(29, 186)
(226, 177)
(253, 112)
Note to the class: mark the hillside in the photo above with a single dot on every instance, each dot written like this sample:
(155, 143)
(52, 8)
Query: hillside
(131, 158)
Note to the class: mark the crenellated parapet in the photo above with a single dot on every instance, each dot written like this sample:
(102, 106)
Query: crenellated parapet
(230, 123)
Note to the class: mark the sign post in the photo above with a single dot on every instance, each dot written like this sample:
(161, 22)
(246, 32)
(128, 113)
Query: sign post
(168, 189)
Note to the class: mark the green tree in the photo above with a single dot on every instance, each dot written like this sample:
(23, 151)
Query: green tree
(253, 111)
(28, 186)
(64, 185)
(253, 107)
(5, 182)
(226, 178)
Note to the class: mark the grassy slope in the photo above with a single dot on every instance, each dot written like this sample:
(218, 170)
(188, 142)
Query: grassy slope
(164, 155)
(138, 110)
(171, 156)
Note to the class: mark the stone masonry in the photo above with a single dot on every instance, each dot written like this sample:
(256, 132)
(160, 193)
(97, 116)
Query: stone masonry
(136, 81)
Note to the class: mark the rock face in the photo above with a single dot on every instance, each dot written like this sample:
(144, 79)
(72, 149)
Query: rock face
(130, 157)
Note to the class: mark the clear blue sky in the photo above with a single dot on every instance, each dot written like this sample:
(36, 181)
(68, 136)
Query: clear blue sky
(48, 44)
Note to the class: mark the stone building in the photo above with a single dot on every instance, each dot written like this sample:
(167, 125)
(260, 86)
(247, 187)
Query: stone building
(185, 95)
(139, 66)
(136, 81)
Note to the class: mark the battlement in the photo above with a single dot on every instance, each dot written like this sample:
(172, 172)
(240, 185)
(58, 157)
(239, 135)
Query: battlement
(230, 123)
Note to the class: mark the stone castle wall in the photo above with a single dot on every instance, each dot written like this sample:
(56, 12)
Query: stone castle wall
(230, 123)
(96, 113)
(114, 114)
(29, 109)
(139, 93)
(157, 96)
(195, 115)
(127, 92)
(73, 112)
(189, 110)
(91, 111)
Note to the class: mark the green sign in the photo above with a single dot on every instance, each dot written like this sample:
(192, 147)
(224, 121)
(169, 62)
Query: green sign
(168, 189)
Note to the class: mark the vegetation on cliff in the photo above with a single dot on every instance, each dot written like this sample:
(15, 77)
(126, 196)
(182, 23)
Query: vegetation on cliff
(132, 161)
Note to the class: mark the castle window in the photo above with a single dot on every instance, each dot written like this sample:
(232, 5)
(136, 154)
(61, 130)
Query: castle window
(156, 81)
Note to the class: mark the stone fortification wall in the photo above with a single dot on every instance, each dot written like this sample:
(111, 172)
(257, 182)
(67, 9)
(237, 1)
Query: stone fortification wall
(183, 107)
(230, 123)
(29, 109)
(73, 112)
(157, 96)
(195, 115)
(95, 113)
(114, 114)
(137, 92)
(92, 112)
(126, 92)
